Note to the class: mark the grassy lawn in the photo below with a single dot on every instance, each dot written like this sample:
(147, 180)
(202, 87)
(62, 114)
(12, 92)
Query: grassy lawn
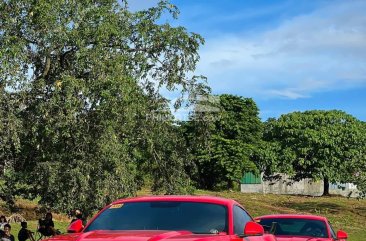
(30, 211)
(344, 213)
(32, 225)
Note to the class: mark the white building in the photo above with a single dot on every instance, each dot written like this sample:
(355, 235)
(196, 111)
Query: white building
(251, 183)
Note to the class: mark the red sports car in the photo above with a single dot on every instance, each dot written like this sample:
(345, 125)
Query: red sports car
(292, 227)
(169, 218)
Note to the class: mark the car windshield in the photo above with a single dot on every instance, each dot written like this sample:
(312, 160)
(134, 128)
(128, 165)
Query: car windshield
(295, 227)
(191, 216)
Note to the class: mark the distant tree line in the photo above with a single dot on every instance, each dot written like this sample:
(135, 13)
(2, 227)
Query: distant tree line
(82, 120)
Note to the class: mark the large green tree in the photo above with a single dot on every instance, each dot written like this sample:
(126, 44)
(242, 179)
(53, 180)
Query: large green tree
(223, 135)
(322, 145)
(88, 75)
(360, 167)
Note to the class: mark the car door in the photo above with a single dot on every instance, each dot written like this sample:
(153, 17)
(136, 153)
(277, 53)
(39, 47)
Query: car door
(241, 218)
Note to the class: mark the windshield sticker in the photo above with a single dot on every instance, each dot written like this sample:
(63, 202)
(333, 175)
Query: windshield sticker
(116, 206)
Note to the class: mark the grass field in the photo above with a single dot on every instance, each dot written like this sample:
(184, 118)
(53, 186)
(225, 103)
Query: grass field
(344, 213)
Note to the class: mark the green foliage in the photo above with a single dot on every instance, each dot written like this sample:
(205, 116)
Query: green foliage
(313, 144)
(359, 177)
(87, 76)
(223, 140)
(167, 161)
(10, 126)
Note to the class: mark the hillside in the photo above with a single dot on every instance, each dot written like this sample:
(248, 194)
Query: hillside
(346, 214)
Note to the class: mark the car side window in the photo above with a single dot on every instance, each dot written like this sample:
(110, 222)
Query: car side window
(241, 218)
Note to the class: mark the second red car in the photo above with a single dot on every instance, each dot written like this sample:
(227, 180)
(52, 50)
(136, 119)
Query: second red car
(293, 227)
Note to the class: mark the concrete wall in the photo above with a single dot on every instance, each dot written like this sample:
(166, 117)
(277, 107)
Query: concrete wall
(303, 187)
(285, 186)
(344, 189)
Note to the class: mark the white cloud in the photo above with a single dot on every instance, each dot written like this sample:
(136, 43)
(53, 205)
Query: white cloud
(321, 51)
(285, 93)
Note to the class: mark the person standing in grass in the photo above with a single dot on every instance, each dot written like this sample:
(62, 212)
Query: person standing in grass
(7, 236)
(2, 222)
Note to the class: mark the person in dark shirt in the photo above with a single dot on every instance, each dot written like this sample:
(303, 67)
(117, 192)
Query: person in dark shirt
(46, 226)
(24, 233)
(2, 222)
(7, 236)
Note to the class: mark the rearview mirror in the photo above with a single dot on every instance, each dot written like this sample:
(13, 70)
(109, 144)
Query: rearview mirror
(75, 227)
(253, 229)
(342, 235)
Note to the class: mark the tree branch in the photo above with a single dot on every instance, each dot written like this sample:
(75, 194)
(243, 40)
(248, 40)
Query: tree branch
(47, 67)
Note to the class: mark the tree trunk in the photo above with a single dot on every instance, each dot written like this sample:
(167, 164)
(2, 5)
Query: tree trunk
(326, 187)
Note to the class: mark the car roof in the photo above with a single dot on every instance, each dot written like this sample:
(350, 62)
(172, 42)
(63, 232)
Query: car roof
(293, 216)
(179, 198)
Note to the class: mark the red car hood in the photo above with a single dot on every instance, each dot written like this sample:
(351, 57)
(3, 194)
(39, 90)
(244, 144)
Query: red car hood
(279, 238)
(138, 236)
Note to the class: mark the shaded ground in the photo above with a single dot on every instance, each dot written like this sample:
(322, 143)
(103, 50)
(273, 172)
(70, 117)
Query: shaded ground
(30, 211)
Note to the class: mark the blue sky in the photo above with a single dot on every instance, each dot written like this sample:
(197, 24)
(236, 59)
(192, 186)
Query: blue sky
(287, 55)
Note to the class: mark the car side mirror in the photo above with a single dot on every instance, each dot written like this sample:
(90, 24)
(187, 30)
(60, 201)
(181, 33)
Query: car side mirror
(75, 227)
(342, 235)
(253, 229)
